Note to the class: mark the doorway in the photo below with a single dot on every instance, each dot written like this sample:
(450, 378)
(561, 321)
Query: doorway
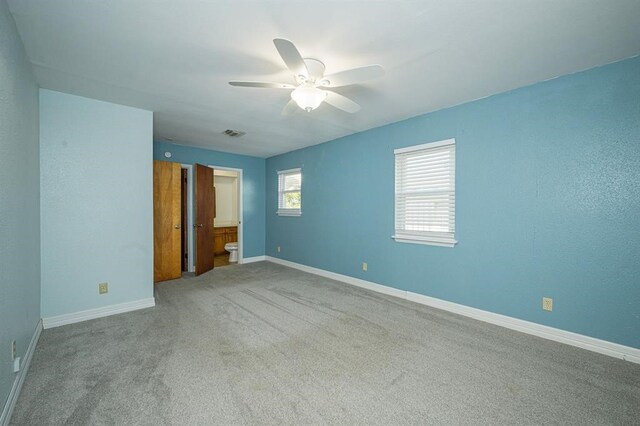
(187, 218)
(227, 216)
(186, 230)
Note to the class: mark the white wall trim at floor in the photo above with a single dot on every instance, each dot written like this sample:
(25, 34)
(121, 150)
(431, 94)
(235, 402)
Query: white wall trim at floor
(104, 311)
(253, 259)
(574, 339)
(5, 417)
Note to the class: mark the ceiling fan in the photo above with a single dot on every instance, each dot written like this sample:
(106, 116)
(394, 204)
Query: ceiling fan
(311, 86)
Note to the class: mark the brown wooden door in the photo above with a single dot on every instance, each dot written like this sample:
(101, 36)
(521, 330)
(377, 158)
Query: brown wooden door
(204, 208)
(166, 221)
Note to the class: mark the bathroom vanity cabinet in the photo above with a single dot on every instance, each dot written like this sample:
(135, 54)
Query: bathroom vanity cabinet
(223, 235)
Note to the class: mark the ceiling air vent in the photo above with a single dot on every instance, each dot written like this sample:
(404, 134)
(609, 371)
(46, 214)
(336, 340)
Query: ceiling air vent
(234, 133)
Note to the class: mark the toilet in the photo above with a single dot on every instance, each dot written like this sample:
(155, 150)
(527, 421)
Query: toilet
(232, 248)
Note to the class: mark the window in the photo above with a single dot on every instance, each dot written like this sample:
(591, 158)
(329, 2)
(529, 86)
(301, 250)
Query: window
(290, 192)
(425, 194)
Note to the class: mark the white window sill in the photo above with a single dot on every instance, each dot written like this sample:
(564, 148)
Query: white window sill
(426, 241)
(289, 213)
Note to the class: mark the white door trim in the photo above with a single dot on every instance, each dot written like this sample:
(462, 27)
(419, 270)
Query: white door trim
(240, 210)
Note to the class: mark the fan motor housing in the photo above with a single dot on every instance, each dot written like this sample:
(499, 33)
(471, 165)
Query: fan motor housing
(315, 68)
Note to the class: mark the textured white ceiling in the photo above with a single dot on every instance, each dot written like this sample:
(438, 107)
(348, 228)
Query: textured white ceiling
(176, 57)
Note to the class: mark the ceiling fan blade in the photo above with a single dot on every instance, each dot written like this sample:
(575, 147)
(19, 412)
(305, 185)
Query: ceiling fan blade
(291, 57)
(290, 108)
(262, 84)
(352, 76)
(341, 102)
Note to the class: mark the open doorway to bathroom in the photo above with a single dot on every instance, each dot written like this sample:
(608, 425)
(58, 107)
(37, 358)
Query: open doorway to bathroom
(228, 211)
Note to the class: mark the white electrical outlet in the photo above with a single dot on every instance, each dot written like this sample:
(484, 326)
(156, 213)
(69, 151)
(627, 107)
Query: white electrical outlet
(547, 304)
(365, 267)
(103, 288)
(278, 249)
(14, 350)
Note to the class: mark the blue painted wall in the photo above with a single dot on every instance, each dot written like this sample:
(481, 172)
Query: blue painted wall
(19, 201)
(547, 204)
(253, 189)
(96, 182)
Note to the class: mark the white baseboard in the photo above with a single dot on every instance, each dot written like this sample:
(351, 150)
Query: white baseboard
(5, 417)
(604, 347)
(104, 311)
(254, 259)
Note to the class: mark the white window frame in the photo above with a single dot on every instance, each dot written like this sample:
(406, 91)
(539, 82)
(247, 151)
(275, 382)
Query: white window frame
(402, 235)
(281, 193)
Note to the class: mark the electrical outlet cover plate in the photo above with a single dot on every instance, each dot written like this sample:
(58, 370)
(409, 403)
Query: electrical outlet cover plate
(365, 266)
(103, 288)
(547, 304)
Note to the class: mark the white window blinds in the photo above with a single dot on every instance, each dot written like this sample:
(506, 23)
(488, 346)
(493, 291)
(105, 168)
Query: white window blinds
(290, 192)
(425, 193)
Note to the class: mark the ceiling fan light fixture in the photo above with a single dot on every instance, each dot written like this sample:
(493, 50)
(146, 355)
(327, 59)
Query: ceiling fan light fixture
(310, 82)
(308, 98)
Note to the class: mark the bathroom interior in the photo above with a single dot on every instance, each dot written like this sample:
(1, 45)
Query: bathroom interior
(226, 215)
